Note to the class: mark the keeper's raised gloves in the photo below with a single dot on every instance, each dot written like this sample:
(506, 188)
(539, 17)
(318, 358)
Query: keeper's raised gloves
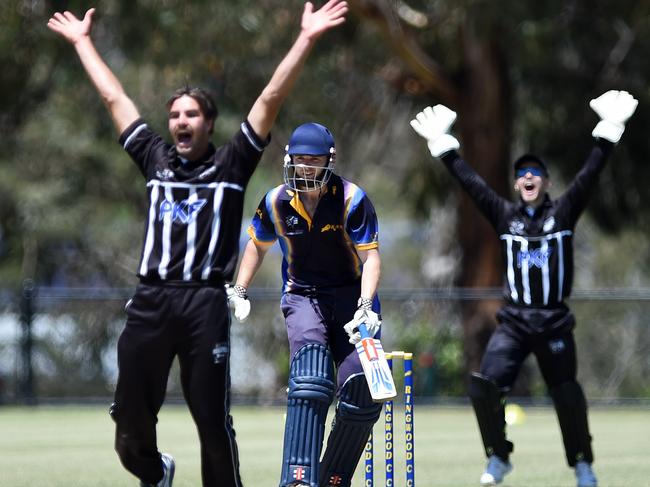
(238, 301)
(364, 314)
(614, 109)
(434, 123)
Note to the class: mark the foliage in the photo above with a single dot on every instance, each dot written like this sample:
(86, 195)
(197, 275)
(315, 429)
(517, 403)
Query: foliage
(69, 193)
(71, 203)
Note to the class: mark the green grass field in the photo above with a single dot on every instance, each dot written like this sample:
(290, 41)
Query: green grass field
(68, 446)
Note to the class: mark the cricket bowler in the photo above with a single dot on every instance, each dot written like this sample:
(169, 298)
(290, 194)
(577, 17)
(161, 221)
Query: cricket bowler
(195, 195)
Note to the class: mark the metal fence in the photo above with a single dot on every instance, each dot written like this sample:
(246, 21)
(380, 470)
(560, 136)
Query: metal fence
(60, 343)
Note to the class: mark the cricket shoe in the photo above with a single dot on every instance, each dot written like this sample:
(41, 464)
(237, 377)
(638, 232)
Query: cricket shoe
(168, 472)
(495, 471)
(585, 475)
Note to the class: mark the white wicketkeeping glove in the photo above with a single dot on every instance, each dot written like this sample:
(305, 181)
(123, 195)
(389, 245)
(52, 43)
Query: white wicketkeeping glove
(363, 315)
(614, 109)
(434, 123)
(238, 302)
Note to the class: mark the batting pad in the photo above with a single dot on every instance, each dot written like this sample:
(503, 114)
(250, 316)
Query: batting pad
(356, 413)
(311, 391)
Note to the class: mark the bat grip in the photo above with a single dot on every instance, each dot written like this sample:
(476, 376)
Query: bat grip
(363, 331)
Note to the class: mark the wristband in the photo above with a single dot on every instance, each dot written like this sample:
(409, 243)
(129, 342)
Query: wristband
(240, 291)
(364, 303)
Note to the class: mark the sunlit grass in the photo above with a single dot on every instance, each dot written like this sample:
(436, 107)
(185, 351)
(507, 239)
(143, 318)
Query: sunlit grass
(73, 446)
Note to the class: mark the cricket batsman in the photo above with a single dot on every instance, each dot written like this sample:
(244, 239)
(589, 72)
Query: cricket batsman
(328, 232)
(536, 234)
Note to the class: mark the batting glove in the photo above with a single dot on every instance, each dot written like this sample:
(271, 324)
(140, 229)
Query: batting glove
(238, 301)
(614, 109)
(434, 123)
(364, 314)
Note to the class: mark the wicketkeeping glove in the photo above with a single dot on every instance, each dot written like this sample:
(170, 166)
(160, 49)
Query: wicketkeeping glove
(614, 109)
(364, 314)
(434, 123)
(238, 301)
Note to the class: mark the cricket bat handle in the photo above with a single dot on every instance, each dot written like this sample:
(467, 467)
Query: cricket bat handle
(363, 331)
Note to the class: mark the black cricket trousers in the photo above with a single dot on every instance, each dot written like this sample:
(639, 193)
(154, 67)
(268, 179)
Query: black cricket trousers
(192, 323)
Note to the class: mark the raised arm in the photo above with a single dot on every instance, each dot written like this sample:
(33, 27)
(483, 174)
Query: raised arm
(614, 108)
(433, 124)
(77, 33)
(314, 23)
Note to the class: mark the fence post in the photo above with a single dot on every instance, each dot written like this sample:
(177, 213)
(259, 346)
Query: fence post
(26, 377)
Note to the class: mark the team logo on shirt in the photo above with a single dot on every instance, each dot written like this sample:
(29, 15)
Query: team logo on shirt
(164, 174)
(535, 257)
(331, 227)
(292, 223)
(182, 211)
(517, 227)
(549, 224)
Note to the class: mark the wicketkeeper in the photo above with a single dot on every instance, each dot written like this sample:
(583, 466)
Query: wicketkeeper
(196, 193)
(536, 235)
(328, 233)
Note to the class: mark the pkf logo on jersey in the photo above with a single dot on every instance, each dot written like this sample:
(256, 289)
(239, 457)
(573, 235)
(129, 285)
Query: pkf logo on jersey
(536, 257)
(181, 211)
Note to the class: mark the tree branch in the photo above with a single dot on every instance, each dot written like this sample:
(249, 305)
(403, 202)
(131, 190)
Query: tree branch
(428, 72)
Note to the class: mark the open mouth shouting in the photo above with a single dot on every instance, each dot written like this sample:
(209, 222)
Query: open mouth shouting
(531, 189)
(183, 139)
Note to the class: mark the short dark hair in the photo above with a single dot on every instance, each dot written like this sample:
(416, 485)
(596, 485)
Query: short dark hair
(203, 98)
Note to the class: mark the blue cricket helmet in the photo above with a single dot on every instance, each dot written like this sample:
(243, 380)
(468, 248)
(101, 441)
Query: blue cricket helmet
(311, 139)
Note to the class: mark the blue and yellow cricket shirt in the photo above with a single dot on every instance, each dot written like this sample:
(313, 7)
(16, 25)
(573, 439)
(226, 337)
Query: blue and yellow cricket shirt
(319, 251)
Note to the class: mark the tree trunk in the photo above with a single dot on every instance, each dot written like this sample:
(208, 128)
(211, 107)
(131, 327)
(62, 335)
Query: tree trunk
(484, 125)
(482, 99)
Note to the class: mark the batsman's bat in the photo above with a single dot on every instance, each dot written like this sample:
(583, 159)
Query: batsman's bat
(375, 367)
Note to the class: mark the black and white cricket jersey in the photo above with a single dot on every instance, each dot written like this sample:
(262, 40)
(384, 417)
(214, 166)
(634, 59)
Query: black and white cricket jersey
(537, 247)
(194, 207)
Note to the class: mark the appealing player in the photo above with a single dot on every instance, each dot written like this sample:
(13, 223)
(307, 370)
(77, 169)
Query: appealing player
(195, 193)
(327, 230)
(536, 234)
